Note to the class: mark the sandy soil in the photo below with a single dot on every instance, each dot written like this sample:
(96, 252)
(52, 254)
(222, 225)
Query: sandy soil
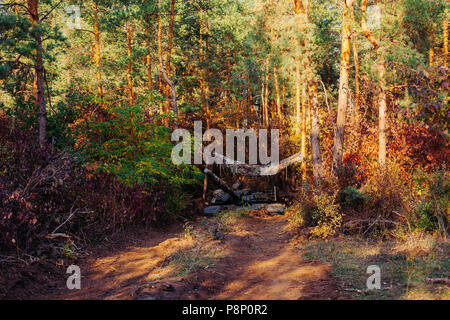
(257, 258)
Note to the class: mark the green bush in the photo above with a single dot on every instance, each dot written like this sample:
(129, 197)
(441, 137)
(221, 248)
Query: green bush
(431, 208)
(424, 218)
(351, 197)
(125, 142)
(327, 215)
(136, 150)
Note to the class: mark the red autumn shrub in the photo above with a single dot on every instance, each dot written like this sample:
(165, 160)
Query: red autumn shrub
(48, 191)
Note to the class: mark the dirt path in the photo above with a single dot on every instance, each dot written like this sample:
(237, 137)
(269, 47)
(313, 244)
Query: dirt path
(253, 257)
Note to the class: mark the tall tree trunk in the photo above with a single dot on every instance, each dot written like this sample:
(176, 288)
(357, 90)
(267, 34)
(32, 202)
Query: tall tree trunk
(129, 29)
(277, 93)
(431, 51)
(382, 88)
(97, 50)
(356, 61)
(315, 136)
(303, 137)
(445, 34)
(169, 50)
(263, 106)
(302, 10)
(382, 117)
(297, 97)
(204, 87)
(208, 109)
(249, 93)
(39, 72)
(266, 95)
(160, 59)
(149, 72)
(228, 86)
(163, 74)
(338, 148)
(431, 56)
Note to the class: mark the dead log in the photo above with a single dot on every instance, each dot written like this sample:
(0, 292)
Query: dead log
(244, 169)
(438, 281)
(57, 235)
(222, 184)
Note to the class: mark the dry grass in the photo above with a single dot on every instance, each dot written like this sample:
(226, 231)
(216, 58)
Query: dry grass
(405, 264)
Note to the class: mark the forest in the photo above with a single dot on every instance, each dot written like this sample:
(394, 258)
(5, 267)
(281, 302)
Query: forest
(100, 99)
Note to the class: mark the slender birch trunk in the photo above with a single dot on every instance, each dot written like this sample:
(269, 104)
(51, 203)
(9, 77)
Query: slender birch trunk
(382, 90)
(315, 136)
(97, 50)
(302, 10)
(129, 29)
(277, 93)
(169, 51)
(356, 61)
(338, 148)
(32, 6)
(303, 129)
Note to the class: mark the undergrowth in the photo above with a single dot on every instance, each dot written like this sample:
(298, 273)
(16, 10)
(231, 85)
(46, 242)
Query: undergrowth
(405, 264)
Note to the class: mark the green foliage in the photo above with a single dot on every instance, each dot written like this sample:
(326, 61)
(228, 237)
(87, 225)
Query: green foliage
(321, 212)
(327, 215)
(188, 231)
(230, 217)
(352, 198)
(431, 209)
(132, 147)
(424, 218)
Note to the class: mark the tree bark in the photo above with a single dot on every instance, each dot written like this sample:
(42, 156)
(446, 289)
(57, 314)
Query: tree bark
(266, 95)
(382, 88)
(302, 10)
(338, 148)
(39, 71)
(221, 183)
(382, 117)
(297, 97)
(277, 93)
(315, 136)
(431, 56)
(303, 137)
(169, 50)
(356, 61)
(160, 59)
(149, 72)
(445, 34)
(97, 50)
(204, 88)
(129, 29)
(263, 107)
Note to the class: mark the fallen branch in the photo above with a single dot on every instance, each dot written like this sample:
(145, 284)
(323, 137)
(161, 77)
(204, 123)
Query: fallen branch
(70, 216)
(438, 281)
(57, 235)
(354, 290)
(172, 88)
(222, 184)
(328, 106)
(258, 170)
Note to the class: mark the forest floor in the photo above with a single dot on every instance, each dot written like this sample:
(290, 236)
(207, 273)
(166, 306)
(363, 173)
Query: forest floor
(235, 255)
